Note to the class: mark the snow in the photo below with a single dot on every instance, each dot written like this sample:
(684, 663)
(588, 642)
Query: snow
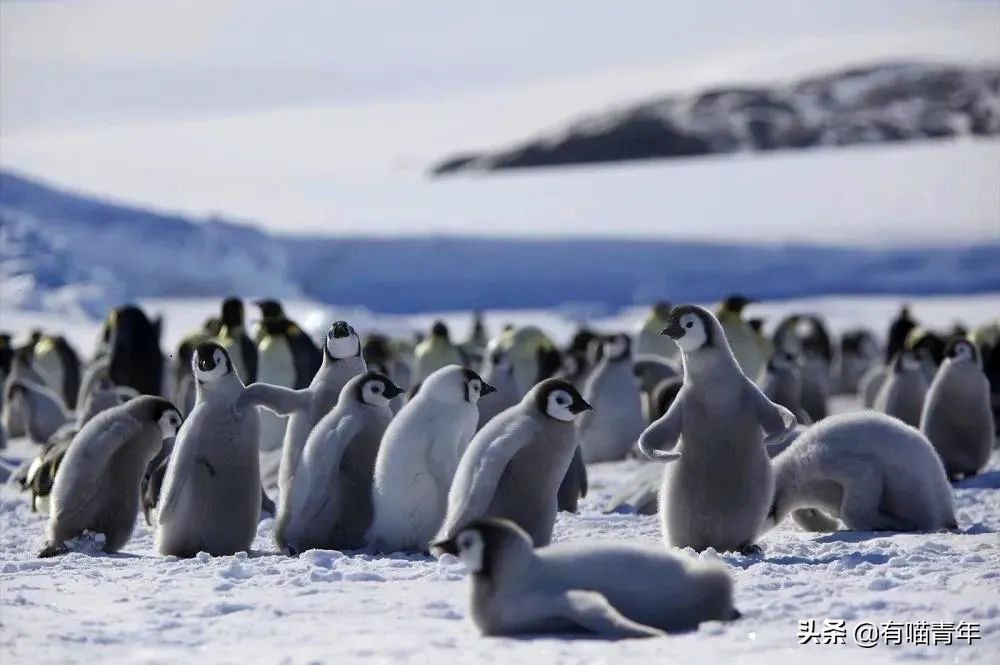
(329, 607)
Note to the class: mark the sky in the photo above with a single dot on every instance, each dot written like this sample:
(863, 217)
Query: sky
(323, 116)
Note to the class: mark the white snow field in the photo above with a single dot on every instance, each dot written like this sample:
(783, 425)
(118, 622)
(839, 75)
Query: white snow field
(337, 607)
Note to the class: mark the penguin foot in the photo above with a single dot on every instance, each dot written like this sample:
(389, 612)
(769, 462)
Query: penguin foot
(53, 549)
(751, 550)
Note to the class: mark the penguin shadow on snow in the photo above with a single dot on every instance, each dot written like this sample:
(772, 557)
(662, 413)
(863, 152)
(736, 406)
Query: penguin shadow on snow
(988, 480)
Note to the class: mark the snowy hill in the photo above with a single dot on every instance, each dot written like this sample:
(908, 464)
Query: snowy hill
(878, 104)
(67, 252)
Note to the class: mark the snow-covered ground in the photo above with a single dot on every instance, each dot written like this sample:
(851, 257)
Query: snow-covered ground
(331, 607)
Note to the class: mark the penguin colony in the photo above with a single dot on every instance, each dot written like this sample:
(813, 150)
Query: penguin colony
(469, 449)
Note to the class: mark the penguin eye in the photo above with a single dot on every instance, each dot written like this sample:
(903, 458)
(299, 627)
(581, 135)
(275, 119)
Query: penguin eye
(562, 400)
(377, 389)
(689, 324)
(475, 386)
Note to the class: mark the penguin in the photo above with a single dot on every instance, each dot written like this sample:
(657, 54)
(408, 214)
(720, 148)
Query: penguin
(956, 417)
(871, 384)
(781, 383)
(513, 467)
(664, 394)
(418, 456)
(718, 490)
(610, 431)
(59, 365)
(97, 487)
(858, 354)
(873, 472)
(929, 348)
(234, 339)
(899, 330)
(342, 361)
(741, 338)
(611, 589)
(987, 338)
(134, 351)
(21, 369)
(183, 385)
(650, 371)
(40, 407)
(649, 341)
(329, 505)
(435, 352)
(577, 362)
(902, 395)
(533, 355)
(574, 484)
(211, 495)
(286, 357)
(498, 371)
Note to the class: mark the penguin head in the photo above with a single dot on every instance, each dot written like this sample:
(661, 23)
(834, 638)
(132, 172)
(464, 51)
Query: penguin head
(618, 347)
(962, 350)
(453, 384)
(440, 330)
(342, 342)
(210, 363)
(232, 312)
(736, 303)
(270, 309)
(168, 418)
(483, 543)
(559, 399)
(375, 389)
(689, 327)
(661, 310)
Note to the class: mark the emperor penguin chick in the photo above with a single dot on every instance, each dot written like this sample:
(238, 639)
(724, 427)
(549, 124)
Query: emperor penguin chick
(781, 383)
(957, 417)
(597, 588)
(342, 361)
(610, 431)
(498, 371)
(871, 471)
(514, 466)
(717, 494)
(418, 456)
(905, 388)
(42, 409)
(211, 495)
(97, 487)
(329, 504)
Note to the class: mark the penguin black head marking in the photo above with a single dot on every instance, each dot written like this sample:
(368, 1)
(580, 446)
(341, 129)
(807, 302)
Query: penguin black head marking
(661, 309)
(232, 312)
(756, 324)
(167, 416)
(270, 309)
(689, 327)
(960, 349)
(478, 545)
(210, 362)
(342, 342)
(560, 400)
(376, 389)
(618, 347)
(439, 329)
(475, 387)
(736, 302)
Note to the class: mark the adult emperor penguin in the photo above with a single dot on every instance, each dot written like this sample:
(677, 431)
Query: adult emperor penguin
(134, 350)
(741, 338)
(234, 339)
(211, 494)
(868, 470)
(418, 457)
(534, 356)
(602, 588)
(957, 418)
(498, 371)
(286, 357)
(41, 408)
(514, 466)
(342, 361)
(610, 431)
(782, 384)
(97, 487)
(649, 341)
(718, 492)
(435, 352)
(899, 330)
(59, 365)
(329, 505)
(902, 395)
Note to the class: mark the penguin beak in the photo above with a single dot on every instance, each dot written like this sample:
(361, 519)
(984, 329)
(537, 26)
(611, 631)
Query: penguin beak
(674, 330)
(487, 389)
(580, 405)
(445, 547)
(392, 390)
(340, 329)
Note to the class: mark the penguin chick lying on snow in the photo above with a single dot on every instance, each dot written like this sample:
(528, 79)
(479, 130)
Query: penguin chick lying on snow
(867, 469)
(601, 588)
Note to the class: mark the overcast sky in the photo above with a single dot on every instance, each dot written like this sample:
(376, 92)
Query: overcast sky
(272, 111)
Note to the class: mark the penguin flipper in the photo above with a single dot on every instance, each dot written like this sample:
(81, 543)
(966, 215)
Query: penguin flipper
(589, 610)
(280, 400)
(53, 549)
(658, 440)
(774, 418)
